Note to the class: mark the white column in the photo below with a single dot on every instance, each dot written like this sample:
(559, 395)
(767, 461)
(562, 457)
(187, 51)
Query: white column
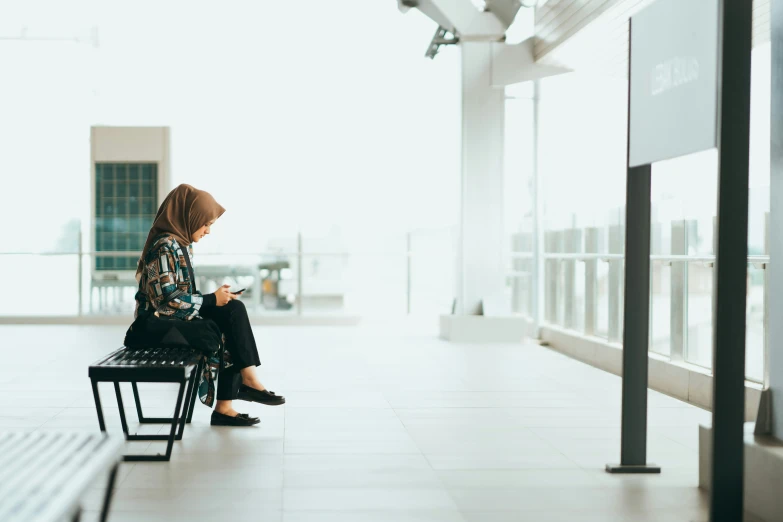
(539, 275)
(480, 270)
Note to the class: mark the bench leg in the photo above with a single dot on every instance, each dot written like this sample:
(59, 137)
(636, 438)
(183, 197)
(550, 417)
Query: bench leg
(109, 493)
(195, 377)
(179, 415)
(98, 407)
(188, 405)
(190, 402)
(136, 399)
(177, 410)
(140, 413)
(124, 421)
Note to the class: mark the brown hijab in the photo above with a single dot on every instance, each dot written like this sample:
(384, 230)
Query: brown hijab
(185, 210)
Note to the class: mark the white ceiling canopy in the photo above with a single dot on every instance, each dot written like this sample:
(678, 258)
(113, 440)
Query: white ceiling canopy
(485, 20)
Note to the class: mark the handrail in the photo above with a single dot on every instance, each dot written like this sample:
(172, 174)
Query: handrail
(663, 258)
(121, 253)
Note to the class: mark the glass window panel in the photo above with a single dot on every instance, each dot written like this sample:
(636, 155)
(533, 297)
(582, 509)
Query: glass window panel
(699, 345)
(579, 296)
(147, 171)
(759, 205)
(754, 333)
(660, 311)
(134, 172)
(570, 107)
(147, 189)
(122, 189)
(602, 312)
(121, 173)
(133, 189)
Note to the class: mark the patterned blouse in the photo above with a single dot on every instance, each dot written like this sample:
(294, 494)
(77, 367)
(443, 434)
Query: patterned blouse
(166, 282)
(166, 287)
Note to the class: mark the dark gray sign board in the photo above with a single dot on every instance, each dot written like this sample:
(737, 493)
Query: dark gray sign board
(674, 80)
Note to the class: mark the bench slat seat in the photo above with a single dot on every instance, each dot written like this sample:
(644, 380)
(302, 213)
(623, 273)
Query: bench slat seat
(146, 365)
(43, 475)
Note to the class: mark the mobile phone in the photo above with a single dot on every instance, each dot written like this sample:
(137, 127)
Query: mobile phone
(239, 291)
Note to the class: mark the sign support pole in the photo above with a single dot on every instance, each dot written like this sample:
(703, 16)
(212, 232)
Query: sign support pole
(728, 403)
(636, 316)
(633, 457)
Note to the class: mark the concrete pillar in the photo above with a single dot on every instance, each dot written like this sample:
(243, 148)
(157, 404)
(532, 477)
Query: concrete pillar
(480, 270)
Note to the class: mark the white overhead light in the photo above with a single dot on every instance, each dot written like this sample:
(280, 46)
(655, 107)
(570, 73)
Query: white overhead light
(481, 5)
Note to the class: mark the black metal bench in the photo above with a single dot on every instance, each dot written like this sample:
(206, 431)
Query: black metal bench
(44, 475)
(160, 365)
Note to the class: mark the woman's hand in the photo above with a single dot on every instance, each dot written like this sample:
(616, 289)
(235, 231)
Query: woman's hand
(223, 296)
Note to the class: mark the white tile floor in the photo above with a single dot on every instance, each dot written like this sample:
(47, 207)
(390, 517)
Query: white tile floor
(378, 427)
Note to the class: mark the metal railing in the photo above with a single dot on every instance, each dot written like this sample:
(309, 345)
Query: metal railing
(580, 309)
(396, 266)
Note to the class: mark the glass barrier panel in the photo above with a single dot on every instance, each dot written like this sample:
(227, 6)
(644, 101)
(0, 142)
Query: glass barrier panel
(698, 349)
(660, 309)
(754, 333)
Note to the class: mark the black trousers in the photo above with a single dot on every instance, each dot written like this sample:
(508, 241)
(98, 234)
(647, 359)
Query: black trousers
(233, 322)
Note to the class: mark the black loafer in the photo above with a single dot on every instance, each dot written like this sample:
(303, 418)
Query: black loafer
(242, 419)
(246, 393)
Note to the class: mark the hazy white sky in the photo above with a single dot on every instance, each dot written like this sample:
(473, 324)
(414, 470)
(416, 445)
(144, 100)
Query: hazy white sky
(304, 115)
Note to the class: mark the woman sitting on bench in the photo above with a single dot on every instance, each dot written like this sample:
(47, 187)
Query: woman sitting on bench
(168, 287)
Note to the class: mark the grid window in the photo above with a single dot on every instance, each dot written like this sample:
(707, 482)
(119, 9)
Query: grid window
(125, 206)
